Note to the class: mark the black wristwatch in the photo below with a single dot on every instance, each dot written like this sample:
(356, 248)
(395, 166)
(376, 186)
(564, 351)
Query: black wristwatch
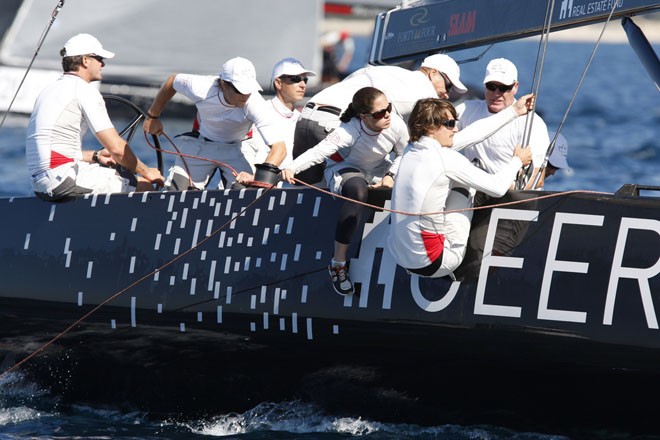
(95, 156)
(389, 173)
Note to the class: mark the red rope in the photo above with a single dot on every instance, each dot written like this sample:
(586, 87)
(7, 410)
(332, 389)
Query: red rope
(130, 286)
(497, 205)
(184, 155)
(267, 185)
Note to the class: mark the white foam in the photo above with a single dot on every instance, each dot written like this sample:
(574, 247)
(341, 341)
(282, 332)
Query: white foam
(304, 418)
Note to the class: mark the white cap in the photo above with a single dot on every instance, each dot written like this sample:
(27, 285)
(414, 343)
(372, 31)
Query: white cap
(85, 44)
(445, 64)
(502, 71)
(290, 66)
(558, 157)
(240, 72)
(330, 38)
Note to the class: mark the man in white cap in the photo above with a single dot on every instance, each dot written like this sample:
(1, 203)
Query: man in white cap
(289, 80)
(558, 157)
(493, 153)
(227, 108)
(59, 166)
(437, 75)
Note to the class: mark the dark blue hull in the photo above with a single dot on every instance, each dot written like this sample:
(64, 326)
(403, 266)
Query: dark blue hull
(558, 315)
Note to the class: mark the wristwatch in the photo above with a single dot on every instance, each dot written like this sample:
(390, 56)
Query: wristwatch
(389, 173)
(95, 156)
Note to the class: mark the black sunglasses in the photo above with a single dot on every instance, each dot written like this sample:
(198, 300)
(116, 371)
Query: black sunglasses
(380, 114)
(233, 87)
(449, 123)
(502, 88)
(448, 84)
(294, 79)
(98, 58)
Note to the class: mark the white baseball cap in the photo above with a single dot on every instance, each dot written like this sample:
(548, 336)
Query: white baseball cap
(502, 71)
(240, 72)
(85, 44)
(559, 155)
(290, 66)
(445, 64)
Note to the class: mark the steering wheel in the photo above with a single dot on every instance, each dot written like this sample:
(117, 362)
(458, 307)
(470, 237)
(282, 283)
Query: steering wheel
(129, 130)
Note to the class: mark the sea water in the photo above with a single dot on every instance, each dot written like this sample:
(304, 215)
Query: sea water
(613, 131)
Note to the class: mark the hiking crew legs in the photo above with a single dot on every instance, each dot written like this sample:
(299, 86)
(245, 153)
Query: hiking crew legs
(200, 160)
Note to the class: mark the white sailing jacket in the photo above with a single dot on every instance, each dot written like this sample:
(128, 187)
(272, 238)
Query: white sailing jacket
(428, 171)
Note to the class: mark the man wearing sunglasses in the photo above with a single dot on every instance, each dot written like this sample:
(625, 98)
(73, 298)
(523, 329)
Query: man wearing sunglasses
(501, 85)
(228, 106)
(289, 81)
(435, 78)
(59, 166)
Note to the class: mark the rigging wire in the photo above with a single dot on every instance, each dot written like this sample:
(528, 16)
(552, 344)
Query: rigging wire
(551, 147)
(53, 16)
(523, 179)
(538, 68)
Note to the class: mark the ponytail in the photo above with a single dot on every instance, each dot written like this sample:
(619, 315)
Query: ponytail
(361, 103)
(348, 114)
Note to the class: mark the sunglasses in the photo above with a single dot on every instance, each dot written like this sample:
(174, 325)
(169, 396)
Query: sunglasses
(449, 123)
(233, 87)
(448, 84)
(294, 79)
(502, 88)
(98, 58)
(380, 114)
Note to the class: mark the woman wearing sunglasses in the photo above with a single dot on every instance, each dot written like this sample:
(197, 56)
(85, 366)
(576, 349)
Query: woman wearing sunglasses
(432, 179)
(366, 146)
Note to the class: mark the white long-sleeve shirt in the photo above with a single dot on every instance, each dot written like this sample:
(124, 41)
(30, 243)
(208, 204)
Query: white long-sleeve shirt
(427, 172)
(353, 144)
(497, 150)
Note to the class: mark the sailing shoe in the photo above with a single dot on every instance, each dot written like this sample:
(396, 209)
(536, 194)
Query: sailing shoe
(340, 280)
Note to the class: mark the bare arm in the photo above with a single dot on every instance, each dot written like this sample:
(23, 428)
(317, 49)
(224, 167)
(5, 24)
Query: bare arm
(277, 153)
(276, 156)
(122, 154)
(166, 92)
(103, 157)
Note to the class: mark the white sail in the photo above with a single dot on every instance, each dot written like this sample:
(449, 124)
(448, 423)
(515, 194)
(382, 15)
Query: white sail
(154, 38)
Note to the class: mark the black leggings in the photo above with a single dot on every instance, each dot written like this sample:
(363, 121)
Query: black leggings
(350, 213)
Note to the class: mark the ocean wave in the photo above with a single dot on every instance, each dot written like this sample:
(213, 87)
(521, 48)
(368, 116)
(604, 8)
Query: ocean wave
(307, 419)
